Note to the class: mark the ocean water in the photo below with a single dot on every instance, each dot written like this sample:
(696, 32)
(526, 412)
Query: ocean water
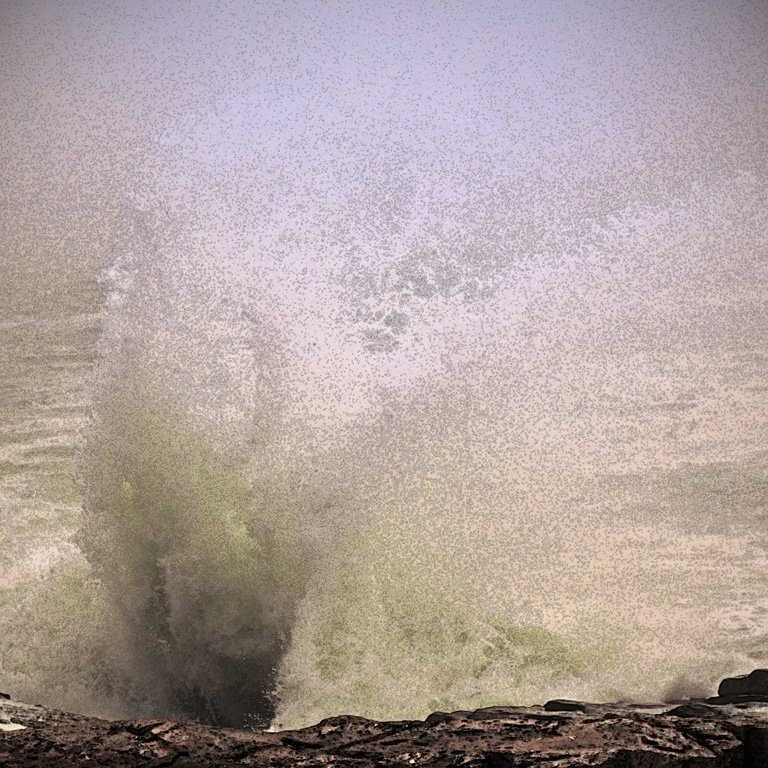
(248, 482)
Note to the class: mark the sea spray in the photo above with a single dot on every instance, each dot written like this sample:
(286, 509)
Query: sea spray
(289, 523)
(279, 520)
(479, 574)
(212, 511)
(196, 548)
(458, 318)
(203, 587)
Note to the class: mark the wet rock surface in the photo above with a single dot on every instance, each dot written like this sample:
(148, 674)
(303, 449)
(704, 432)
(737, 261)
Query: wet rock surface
(561, 733)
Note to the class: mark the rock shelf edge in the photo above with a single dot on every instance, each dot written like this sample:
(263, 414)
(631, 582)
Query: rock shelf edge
(729, 731)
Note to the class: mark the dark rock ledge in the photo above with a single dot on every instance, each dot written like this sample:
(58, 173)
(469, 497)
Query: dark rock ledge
(730, 730)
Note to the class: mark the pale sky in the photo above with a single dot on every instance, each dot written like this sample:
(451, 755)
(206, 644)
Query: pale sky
(285, 136)
(604, 98)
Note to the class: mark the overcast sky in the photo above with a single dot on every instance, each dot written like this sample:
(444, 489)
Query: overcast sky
(288, 135)
(608, 95)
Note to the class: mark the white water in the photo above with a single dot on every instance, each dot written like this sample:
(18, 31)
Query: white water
(380, 357)
(555, 490)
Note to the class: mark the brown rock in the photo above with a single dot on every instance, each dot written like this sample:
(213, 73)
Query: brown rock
(497, 736)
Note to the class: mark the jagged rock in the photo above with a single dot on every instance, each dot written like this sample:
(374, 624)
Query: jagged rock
(723, 732)
(498, 736)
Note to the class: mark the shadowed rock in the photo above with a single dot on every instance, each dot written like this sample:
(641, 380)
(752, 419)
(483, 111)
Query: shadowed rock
(562, 734)
(695, 709)
(755, 682)
(499, 736)
(564, 705)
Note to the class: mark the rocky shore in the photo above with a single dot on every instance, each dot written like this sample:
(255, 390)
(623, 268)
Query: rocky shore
(730, 730)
